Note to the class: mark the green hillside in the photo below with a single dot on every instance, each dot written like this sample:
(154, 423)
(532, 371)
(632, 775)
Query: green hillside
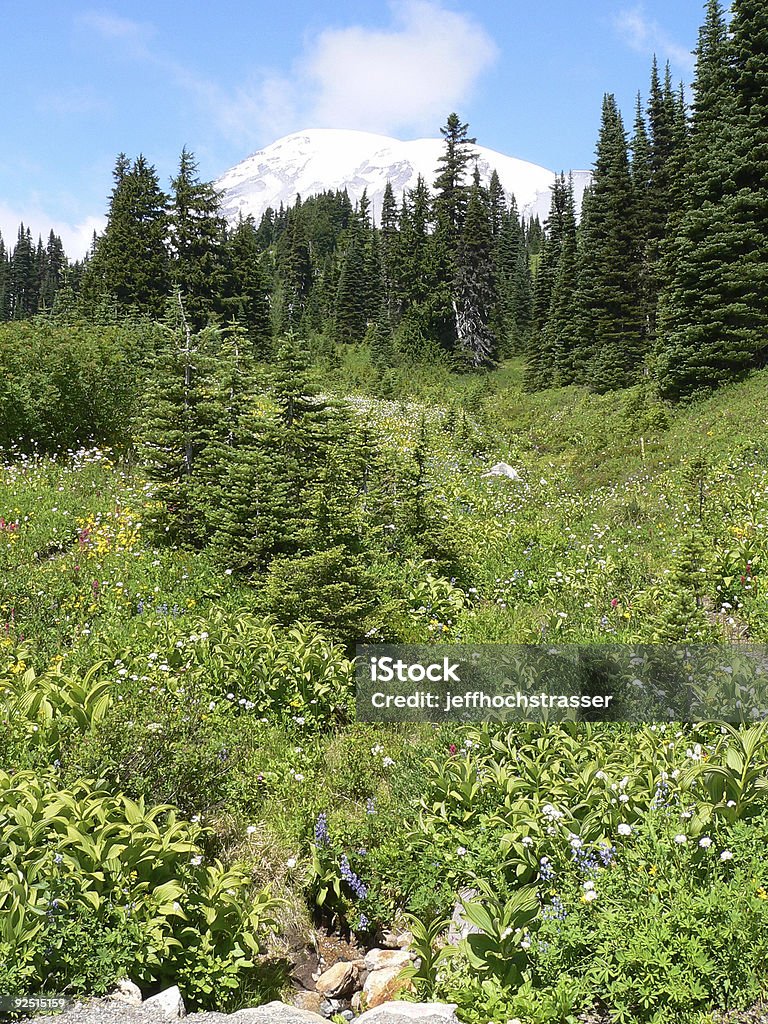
(145, 681)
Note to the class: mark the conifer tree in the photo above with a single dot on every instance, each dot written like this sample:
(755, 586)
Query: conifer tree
(23, 277)
(247, 288)
(197, 233)
(224, 391)
(713, 317)
(54, 269)
(497, 204)
(506, 249)
(449, 206)
(130, 262)
(350, 313)
(177, 426)
(550, 252)
(278, 467)
(382, 342)
(389, 247)
(540, 368)
(295, 271)
(5, 282)
(475, 285)
(560, 334)
(522, 299)
(415, 269)
(611, 330)
(643, 184)
(714, 108)
(451, 189)
(656, 204)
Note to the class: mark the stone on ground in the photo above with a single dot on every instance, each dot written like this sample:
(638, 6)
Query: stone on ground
(408, 1013)
(168, 1004)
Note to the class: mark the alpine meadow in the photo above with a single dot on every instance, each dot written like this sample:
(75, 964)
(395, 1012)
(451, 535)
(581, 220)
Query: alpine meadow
(233, 449)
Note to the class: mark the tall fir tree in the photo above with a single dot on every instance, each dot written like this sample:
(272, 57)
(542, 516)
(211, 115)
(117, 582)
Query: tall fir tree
(656, 204)
(507, 243)
(130, 263)
(642, 184)
(611, 330)
(296, 273)
(23, 277)
(197, 234)
(177, 426)
(278, 468)
(540, 365)
(54, 271)
(350, 312)
(449, 205)
(475, 285)
(389, 244)
(713, 318)
(451, 188)
(248, 286)
(560, 334)
(5, 282)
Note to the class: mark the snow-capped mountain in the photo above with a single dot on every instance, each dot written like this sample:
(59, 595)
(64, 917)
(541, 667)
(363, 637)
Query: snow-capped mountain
(318, 159)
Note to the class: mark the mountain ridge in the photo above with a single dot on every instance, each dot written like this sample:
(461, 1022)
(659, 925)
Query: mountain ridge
(315, 160)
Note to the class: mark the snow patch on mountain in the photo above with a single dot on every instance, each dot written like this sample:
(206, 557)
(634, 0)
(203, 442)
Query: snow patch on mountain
(319, 159)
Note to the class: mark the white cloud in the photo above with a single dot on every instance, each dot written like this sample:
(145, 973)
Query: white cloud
(644, 35)
(408, 76)
(75, 237)
(404, 77)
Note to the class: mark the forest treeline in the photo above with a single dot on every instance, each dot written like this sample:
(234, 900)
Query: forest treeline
(660, 275)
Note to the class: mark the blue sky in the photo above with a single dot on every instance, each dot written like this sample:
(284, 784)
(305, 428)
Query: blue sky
(85, 81)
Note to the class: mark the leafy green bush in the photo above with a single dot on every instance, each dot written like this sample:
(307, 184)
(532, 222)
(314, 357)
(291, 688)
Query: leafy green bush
(332, 588)
(137, 876)
(66, 384)
(672, 927)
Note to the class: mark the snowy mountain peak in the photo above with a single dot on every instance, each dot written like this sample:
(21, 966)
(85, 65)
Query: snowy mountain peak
(319, 159)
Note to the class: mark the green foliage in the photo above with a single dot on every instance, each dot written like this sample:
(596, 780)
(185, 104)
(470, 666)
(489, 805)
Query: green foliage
(130, 263)
(337, 590)
(611, 335)
(138, 874)
(735, 788)
(424, 971)
(672, 930)
(496, 950)
(63, 386)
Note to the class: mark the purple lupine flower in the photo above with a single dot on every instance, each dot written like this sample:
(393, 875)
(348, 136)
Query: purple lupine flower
(357, 886)
(322, 835)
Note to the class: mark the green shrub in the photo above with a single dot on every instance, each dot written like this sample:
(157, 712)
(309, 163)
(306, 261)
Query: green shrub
(95, 885)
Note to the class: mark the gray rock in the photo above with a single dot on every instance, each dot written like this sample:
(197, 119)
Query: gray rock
(379, 959)
(407, 1013)
(391, 939)
(339, 980)
(384, 985)
(168, 1004)
(330, 1007)
(305, 1000)
(275, 1013)
(459, 927)
(126, 992)
(503, 469)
